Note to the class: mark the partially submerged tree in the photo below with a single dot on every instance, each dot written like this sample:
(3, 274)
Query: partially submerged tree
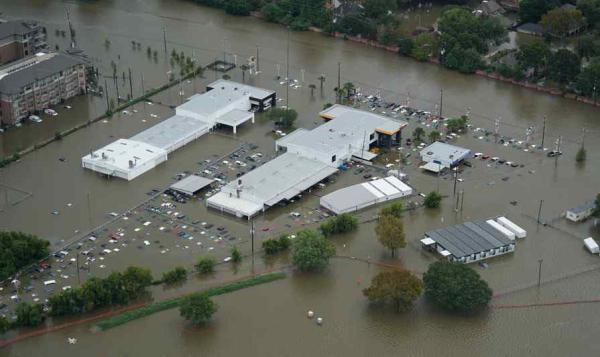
(456, 287)
(311, 251)
(206, 265)
(390, 232)
(197, 308)
(432, 200)
(400, 287)
(283, 117)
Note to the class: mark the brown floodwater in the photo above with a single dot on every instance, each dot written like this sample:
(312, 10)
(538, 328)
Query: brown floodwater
(270, 319)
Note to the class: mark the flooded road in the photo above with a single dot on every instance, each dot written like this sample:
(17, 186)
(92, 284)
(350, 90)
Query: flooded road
(41, 183)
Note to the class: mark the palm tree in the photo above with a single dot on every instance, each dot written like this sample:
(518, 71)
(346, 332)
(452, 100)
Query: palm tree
(418, 133)
(321, 79)
(312, 89)
(348, 90)
(434, 136)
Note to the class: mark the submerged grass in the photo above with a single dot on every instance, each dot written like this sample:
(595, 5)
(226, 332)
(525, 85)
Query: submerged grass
(173, 303)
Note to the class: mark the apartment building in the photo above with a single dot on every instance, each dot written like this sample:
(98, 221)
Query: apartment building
(20, 39)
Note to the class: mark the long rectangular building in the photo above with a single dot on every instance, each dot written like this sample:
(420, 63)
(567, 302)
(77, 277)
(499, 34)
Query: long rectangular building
(310, 157)
(225, 103)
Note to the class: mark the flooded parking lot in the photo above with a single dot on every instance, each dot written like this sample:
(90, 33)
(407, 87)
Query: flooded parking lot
(51, 180)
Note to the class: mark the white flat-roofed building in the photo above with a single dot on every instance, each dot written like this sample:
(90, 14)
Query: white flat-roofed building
(228, 103)
(124, 158)
(348, 132)
(581, 212)
(280, 179)
(356, 197)
(444, 155)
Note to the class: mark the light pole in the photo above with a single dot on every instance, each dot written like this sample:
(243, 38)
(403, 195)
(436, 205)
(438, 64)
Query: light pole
(540, 271)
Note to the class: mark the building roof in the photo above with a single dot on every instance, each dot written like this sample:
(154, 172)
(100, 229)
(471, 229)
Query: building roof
(582, 208)
(207, 104)
(24, 72)
(469, 238)
(11, 28)
(117, 155)
(355, 197)
(489, 7)
(349, 127)
(254, 92)
(191, 184)
(170, 132)
(532, 28)
(445, 153)
(235, 117)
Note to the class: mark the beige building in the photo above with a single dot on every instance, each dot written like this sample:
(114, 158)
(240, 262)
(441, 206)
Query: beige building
(33, 84)
(20, 39)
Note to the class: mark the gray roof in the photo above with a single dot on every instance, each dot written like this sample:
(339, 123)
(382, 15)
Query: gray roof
(169, 133)
(532, 28)
(11, 28)
(583, 207)
(191, 184)
(12, 83)
(469, 238)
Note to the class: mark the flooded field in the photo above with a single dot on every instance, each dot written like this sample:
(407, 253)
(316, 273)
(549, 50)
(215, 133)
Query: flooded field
(48, 193)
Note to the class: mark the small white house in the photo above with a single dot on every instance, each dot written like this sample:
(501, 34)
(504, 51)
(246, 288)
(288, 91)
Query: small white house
(581, 212)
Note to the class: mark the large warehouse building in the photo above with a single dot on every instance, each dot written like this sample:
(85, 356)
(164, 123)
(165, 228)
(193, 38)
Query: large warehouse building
(225, 103)
(312, 155)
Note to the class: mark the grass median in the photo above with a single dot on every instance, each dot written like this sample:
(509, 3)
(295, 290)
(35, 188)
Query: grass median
(173, 303)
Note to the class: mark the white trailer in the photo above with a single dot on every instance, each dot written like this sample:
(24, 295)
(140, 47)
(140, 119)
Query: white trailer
(510, 235)
(591, 245)
(508, 224)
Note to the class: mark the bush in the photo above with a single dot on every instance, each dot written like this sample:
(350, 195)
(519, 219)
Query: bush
(206, 265)
(456, 287)
(236, 256)
(197, 308)
(274, 246)
(432, 200)
(29, 315)
(395, 209)
(405, 46)
(237, 7)
(342, 223)
(272, 12)
(311, 251)
(176, 275)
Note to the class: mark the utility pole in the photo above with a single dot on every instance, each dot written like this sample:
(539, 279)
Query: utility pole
(143, 90)
(165, 39)
(540, 212)
(106, 95)
(497, 129)
(287, 71)
(462, 199)
(441, 101)
(252, 235)
(540, 271)
(117, 88)
(339, 86)
(130, 85)
(557, 150)
(543, 132)
(455, 180)
(257, 62)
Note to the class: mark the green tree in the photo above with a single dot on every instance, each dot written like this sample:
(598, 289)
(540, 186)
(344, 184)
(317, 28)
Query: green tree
(560, 22)
(425, 46)
(197, 308)
(399, 286)
(236, 256)
(434, 136)
(237, 7)
(588, 81)
(284, 117)
(272, 12)
(29, 315)
(405, 46)
(588, 46)
(534, 55)
(418, 134)
(390, 233)
(4, 325)
(432, 200)
(274, 246)
(355, 25)
(206, 265)
(134, 282)
(463, 60)
(376, 9)
(457, 124)
(339, 224)
(18, 250)
(532, 10)
(178, 274)
(591, 11)
(456, 287)
(311, 251)
(564, 66)
(395, 209)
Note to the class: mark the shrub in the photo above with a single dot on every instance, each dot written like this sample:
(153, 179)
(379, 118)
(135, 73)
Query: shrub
(274, 246)
(176, 275)
(197, 308)
(432, 200)
(206, 265)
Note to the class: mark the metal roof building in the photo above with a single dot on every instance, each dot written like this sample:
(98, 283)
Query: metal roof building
(227, 105)
(468, 242)
(443, 155)
(191, 185)
(356, 197)
(280, 179)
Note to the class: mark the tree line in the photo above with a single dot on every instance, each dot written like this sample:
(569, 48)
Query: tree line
(18, 250)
